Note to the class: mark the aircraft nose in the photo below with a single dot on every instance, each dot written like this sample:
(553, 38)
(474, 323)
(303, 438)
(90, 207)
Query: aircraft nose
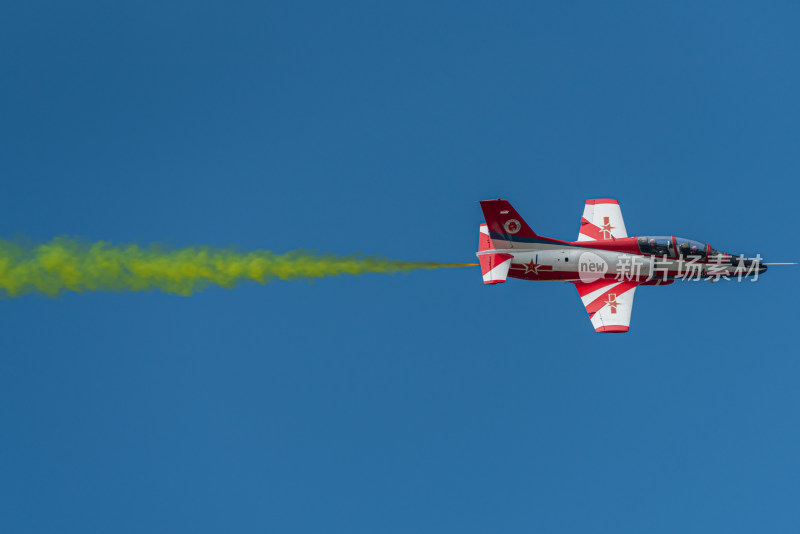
(755, 262)
(748, 263)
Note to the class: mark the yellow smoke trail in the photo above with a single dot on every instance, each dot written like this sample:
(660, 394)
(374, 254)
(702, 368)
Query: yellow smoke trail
(66, 264)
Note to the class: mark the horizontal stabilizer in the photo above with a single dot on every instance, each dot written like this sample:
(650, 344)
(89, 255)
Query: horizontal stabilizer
(484, 241)
(494, 267)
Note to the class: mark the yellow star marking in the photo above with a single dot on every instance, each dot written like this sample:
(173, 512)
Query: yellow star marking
(532, 267)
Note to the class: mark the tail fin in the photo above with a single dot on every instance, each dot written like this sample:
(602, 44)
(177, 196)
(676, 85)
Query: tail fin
(504, 224)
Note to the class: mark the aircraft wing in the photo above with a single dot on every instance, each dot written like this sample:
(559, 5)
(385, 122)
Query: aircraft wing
(602, 219)
(609, 303)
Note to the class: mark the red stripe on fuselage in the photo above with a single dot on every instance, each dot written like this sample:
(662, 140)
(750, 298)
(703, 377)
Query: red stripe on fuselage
(628, 245)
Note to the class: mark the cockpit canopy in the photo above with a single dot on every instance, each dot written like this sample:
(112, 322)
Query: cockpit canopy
(673, 247)
(657, 246)
(689, 248)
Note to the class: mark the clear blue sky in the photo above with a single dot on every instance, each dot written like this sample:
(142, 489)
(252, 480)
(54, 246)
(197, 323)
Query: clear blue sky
(424, 402)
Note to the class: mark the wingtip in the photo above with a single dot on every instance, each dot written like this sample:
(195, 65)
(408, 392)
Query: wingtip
(613, 329)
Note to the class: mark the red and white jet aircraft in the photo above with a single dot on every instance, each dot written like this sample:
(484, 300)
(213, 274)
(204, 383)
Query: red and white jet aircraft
(604, 263)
